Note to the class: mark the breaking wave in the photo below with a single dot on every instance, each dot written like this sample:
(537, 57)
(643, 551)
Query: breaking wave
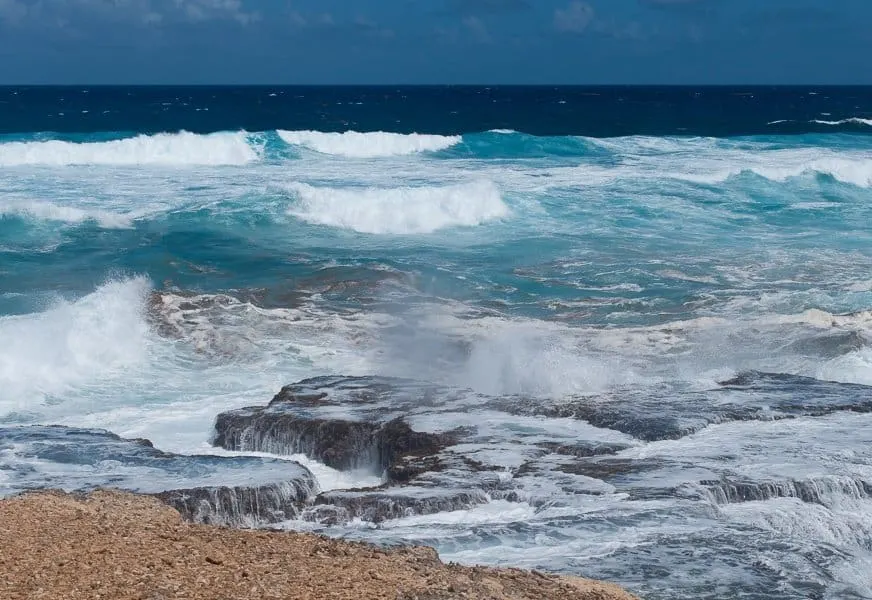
(183, 148)
(713, 161)
(855, 171)
(99, 336)
(402, 210)
(354, 144)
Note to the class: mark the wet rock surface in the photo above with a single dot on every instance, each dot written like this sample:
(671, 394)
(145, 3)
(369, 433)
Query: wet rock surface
(341, 444)
(222, 490)
(823, 490)
(376, 506)
(750, 396)
(422, 471)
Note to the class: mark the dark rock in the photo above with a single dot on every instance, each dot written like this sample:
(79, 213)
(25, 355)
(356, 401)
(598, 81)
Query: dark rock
(344, 445)
(243, 506)
(326, 514)
(584, 449)
(406, 468)
(759, 379)
(393, 503)
(339, 444)
(611, 468)
(647, 418)
(423, 473)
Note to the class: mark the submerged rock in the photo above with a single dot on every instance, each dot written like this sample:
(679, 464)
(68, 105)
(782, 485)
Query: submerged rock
(823, 490)
(375, 506)
(374, 396)
(222, 490)
(663, 414)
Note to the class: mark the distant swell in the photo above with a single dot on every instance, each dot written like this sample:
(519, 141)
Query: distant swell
(403, 210)
(374, 144)
(851, 121)
(831, 123)
(181, 148)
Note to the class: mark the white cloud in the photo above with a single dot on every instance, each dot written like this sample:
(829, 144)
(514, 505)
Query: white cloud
(575, 18)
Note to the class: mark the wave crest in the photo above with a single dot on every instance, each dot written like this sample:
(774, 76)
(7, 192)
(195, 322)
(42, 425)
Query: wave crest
(851, 170)
(49, 211)
(183, 148)
(354, 144)
(404, 210)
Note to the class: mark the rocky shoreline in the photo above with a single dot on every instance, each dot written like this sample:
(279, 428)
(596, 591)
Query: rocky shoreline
(120, 546)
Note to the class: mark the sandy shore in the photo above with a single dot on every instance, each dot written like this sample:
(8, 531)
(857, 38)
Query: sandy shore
(118, 546)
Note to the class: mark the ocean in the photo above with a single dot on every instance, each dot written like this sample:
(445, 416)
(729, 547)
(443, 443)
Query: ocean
(635, 323)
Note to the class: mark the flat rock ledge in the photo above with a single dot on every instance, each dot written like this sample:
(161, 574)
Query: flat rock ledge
(119, 546)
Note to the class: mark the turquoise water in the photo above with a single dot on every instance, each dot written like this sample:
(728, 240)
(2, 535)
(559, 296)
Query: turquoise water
(152, 281)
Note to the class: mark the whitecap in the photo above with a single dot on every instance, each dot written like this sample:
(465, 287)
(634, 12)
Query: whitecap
(354, 144)
(403, 210)
(181, 148)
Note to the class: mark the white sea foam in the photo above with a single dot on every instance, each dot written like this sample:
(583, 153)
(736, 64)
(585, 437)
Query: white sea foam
(402, 210)
(100, 336)
(50, 211)
(354, 144)
(181, 148)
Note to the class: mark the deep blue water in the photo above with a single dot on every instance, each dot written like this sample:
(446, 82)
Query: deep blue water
(170, 253)
(599, 111)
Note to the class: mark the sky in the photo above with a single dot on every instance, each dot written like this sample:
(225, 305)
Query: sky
(435, 41)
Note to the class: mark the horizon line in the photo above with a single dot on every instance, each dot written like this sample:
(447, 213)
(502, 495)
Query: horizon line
(447, 85)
